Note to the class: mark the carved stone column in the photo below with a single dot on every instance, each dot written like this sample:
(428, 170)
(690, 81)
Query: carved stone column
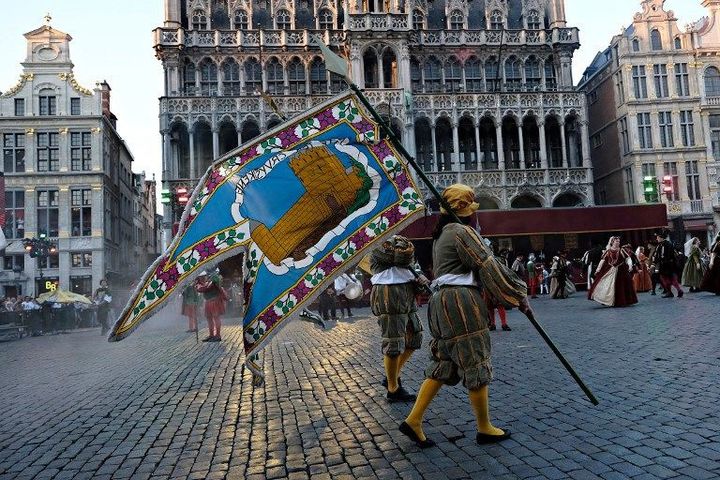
(216, 142)
(433, 167)
(500, 147)
(478, 152)
(521, 142)
(585, 137)
(564, 147)
(543, 145)
(455, 157)
(193, 165)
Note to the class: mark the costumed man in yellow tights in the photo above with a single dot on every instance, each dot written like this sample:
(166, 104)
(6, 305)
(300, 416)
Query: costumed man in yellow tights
(458, 316)
(393, 301)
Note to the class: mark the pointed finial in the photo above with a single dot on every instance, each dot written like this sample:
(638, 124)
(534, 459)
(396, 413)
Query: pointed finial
(48, 19)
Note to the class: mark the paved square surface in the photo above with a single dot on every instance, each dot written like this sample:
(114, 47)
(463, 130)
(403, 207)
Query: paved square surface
(158, 405)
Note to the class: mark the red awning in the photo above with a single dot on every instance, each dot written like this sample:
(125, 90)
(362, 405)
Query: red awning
(537, 221)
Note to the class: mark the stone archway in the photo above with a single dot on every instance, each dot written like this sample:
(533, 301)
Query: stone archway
(526, 200)
(567, 199)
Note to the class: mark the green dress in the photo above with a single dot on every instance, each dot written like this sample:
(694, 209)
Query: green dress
(458, 316)
(693, 271)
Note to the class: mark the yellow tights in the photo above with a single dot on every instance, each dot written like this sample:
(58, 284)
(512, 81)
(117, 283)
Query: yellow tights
(393, 365)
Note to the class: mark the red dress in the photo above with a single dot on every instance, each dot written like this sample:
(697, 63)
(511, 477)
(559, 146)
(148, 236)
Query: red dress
(613, 283)
(214, 298)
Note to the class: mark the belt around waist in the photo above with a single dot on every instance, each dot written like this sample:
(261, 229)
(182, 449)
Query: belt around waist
(475, 287)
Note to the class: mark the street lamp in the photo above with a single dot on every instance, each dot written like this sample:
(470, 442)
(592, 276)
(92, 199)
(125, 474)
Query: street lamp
(39, 247)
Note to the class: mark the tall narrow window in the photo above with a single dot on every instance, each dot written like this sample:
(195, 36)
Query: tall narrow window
(687, 128)
(208, 78)
(48, 152)
(656, 40)
(415, 75)
(199, 20)
(533, 20)
(635, 45)
(325, 19)
(666, 129)
(231, 78)
(80, 151)
(189, 79)
(692, 178)
(318, 76)
(624, 135)
(81, 212)
(682, 81)
(14, 226)
(48, 103)
(418, 20)
(678, 43)
(639, 81)
(715, 136)
(275, 77)
(644, 130)
(670, 169)
(19, 107)
(14, 152)
(473, 75)
(550, 78)
(629, 185)
(433, 75)
(532, 74)
(513, 75)
(241, 20)
(296, 77)
(453, 75)
(497, 20)
(47, 212)
(283, 20)
(75, 106)
(457, 20)
(712, 82)
(661, 81)
(620, 87)
(253, 77)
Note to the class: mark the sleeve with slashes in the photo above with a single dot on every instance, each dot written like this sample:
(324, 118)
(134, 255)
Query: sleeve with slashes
(501, 282)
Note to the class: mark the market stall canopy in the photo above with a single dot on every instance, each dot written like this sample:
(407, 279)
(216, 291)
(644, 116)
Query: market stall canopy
(538, 221)
(62, 296)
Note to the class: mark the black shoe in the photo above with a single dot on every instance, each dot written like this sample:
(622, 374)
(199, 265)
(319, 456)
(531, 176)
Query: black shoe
(384, 383)
(407, 430)
(680, 294)
(507, 328)
(667, 295)
(215, 339)
(484, 438)
(491, 327)
(208, 339)
(400, 395)
(653, 293)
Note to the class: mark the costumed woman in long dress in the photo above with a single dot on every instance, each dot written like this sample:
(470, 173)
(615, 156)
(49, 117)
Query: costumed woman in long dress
(613, 281)
(558, 275)
(641, 279)
(711, 280)
(458, 316)
(190, 302)
(693, 271)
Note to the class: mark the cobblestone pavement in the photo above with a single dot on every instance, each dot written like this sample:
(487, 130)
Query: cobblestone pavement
(158, 405)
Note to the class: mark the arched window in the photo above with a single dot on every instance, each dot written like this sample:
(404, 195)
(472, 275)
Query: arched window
(453, 75)
(492, 75)
(318, 76)
(325, 19)
(655, 40)
(712, 82)
(678, 43)
(415, 75)
(189, 79)
(457, 20)
(253, 77)
(550, 78)
(473, 75)
(231, 78)
(513, 74)
(497, 21)
(533, 20)
(208, 77)
(296, 76)
(433, 75)
(275, 77)
(635, 45)
(532, 74)
(282, 20)
(241, 19)
(418, 20)
(199, 20)
(372, 72)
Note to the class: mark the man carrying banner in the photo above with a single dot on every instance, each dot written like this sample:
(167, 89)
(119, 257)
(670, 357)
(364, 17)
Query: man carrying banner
(458, 317)
(393, 301)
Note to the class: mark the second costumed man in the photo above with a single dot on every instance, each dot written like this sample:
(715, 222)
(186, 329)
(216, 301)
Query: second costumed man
(393, 301)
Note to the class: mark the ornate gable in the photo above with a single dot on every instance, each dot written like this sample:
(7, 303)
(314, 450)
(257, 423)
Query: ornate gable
(502, 5)
(193, 5)
(654, 10)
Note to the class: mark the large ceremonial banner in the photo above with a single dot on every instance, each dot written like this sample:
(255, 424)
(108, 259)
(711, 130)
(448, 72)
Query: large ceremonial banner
(305, 202)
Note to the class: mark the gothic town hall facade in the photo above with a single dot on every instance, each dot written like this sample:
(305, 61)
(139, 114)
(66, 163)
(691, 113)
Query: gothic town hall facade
(480, 91)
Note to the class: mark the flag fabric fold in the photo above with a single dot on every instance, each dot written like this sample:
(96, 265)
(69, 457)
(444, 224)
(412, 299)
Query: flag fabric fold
(303, 202)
